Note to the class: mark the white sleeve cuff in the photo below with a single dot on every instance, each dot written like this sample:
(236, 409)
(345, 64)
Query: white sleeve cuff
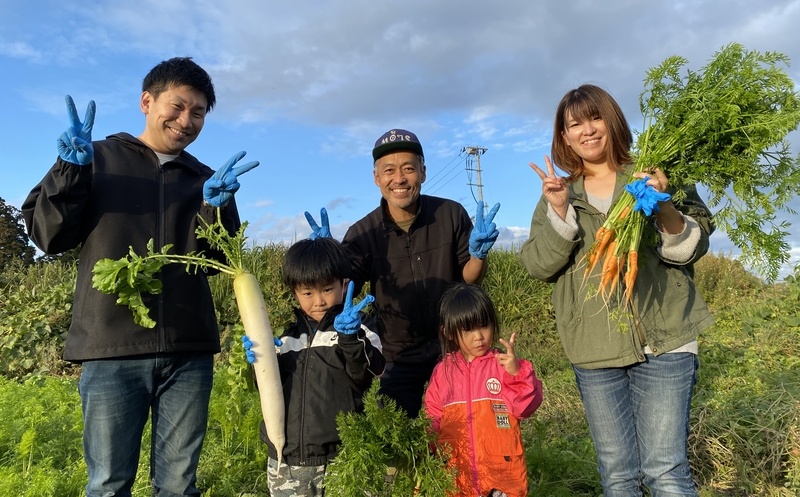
(680, 247)
(567, 228)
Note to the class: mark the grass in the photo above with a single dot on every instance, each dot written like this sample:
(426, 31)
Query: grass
(745, 437)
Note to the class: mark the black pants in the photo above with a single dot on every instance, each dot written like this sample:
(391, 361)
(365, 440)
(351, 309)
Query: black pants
(405, 383)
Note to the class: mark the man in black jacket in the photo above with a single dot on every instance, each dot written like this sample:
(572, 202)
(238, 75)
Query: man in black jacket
(124, 191)
(410, 249)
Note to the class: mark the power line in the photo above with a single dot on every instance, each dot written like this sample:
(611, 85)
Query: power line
(455, 173)
(459, 156)
(470, 165)
(446, 173)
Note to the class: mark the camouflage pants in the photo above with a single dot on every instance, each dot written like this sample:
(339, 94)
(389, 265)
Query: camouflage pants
(295, 481)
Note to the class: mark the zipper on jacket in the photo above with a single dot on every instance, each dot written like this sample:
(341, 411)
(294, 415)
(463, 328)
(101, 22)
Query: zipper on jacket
(418, 281)
(159, 243)
(414, 273)
(471, 422)
(303, 397)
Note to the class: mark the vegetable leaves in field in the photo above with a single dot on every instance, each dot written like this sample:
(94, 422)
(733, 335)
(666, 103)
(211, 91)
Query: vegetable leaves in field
(133, 274)
(386, 453)
(725, 127)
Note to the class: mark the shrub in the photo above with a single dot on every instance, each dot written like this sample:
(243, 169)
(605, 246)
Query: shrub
(723, 280)
(35, 313)
(522, 303)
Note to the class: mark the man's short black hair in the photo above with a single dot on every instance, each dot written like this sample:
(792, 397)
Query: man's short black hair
(309, 263)
(179, 71)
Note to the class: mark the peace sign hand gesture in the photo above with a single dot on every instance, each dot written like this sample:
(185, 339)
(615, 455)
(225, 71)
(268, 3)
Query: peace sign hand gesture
(75, 144)
(323, 230)
(554, 188)
(219, 188)
(485, 232)
(509, 359)
(349, 321)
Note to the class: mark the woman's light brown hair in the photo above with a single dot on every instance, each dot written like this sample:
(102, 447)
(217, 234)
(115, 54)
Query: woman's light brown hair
(588, 102)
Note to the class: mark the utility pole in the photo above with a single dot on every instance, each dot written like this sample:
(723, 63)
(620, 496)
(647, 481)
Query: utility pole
(477, 152)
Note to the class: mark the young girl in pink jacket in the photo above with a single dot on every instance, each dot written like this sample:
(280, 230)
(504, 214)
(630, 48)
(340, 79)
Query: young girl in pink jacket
(478, 394)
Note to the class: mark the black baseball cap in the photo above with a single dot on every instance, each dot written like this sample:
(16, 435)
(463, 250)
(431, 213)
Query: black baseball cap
(396, 139)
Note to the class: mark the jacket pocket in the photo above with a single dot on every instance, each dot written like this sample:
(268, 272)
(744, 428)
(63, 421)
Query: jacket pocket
(503, 439)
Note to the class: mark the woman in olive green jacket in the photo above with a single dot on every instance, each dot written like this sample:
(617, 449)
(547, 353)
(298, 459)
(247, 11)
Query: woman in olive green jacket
(635, 364)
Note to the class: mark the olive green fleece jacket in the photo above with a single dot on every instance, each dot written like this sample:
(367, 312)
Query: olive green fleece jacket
(666, 310)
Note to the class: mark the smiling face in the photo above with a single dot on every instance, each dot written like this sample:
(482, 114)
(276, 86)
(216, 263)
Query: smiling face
(173, 119)
(400, 175)
(475, 343)
(316, 300)
(587, 137)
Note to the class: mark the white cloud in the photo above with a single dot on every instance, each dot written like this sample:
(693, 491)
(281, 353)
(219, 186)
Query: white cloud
(351, 70)
(262, 203)
(512, 237)
(20, 50)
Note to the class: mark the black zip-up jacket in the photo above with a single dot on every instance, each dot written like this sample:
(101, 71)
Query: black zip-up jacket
(409, 272)
(323, 372)
(124, 198)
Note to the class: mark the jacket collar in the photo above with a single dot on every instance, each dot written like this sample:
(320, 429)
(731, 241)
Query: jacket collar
(184, 159)
(325, 324)
(577, 190)
(389, 224)
(459, 359)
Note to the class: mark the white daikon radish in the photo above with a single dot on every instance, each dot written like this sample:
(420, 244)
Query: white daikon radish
(134, 275)
(255, 318)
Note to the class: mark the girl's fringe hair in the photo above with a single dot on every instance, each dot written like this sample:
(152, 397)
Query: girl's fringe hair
(463, 308)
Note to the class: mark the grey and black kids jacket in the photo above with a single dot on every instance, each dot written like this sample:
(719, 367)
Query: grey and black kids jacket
(323, 372)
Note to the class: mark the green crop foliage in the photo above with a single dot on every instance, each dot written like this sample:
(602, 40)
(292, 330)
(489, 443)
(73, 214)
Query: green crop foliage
(745, 437)
(384, 437)
(35, 313)
(725, 127)
(131, 276)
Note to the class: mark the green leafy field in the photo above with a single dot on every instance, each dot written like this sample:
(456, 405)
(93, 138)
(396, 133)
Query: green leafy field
(746, 412)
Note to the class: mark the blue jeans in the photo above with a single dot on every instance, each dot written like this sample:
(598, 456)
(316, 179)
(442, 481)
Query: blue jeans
(117, 395)
(639, 419)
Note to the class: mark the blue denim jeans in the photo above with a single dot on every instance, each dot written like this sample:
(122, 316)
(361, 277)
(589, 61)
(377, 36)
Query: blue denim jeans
(117, 395)
(639, 419)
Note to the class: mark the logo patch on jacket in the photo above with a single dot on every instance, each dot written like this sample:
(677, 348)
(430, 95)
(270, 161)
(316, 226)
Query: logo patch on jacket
(501, 407)
(502, 420)
(493, 385)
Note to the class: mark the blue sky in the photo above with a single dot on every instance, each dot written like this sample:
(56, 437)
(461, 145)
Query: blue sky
(307, 87)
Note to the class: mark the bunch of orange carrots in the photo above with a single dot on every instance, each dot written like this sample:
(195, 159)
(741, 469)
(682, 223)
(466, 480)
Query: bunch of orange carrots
(616, 244)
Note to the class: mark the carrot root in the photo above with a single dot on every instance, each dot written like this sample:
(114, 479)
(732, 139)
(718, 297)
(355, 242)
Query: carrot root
(630, 275)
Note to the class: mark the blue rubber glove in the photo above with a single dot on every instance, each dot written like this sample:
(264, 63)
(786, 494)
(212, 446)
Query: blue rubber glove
(323, 231)
(349, 321)
(647, 197)
(75, 144)
(484, 234)
(219, 188)
(251, 356)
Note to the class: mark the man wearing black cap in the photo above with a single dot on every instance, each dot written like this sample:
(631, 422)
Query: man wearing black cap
(410, 249)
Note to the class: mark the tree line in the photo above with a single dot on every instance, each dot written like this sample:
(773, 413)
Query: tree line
(14, 242)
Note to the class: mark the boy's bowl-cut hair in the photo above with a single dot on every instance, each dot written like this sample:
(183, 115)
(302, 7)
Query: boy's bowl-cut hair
(309, 263)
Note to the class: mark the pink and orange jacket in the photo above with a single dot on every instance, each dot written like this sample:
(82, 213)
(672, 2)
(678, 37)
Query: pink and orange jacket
(476, 407)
